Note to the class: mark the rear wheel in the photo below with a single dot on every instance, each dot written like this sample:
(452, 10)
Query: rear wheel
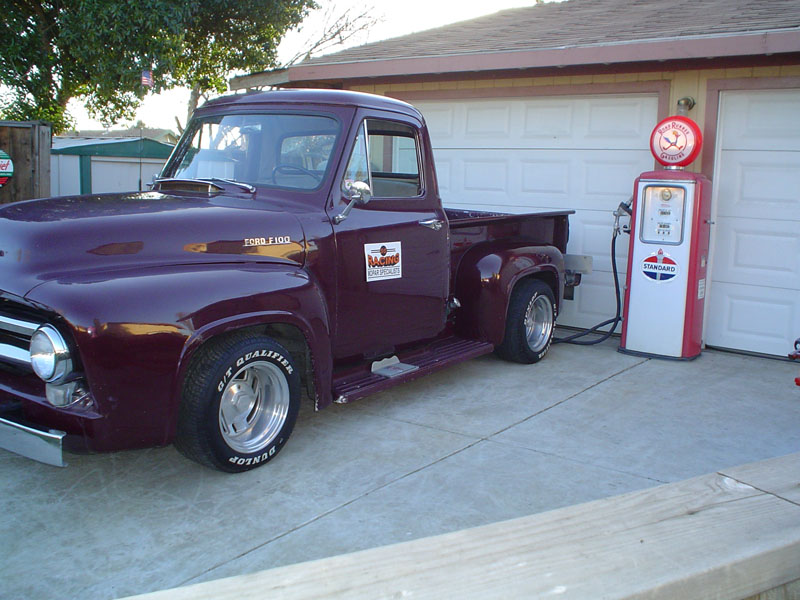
(530, 322)
(240, 402)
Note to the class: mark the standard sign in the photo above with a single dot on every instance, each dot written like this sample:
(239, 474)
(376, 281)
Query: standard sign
(659, 267)
(383, 261)
(6, 168)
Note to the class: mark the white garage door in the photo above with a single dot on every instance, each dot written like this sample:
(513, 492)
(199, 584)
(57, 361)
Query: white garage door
(754, 298)
(518, 155)
(118, 174)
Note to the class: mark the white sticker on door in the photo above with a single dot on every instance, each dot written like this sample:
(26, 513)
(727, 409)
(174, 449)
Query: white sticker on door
(383, 261)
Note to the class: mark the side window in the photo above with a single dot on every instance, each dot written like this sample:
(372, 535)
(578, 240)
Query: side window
(389, 161)
(393, 160)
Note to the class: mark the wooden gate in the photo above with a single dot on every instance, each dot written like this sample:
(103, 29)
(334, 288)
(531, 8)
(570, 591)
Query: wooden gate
(24, 160)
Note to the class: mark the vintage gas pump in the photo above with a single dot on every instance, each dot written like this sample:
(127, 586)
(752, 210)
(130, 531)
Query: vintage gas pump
(668, 254)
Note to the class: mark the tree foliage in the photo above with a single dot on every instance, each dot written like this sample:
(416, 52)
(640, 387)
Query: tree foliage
(96, 50)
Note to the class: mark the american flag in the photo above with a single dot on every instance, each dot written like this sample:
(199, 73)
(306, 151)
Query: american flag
(147, 78)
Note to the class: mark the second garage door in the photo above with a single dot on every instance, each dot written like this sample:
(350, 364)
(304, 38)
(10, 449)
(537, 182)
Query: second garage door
(754, 297)
(518, 155)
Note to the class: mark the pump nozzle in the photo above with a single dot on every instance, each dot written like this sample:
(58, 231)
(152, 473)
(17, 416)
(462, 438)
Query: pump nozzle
(623, 209)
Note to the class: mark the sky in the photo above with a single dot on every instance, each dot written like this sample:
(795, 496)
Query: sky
(396, 18)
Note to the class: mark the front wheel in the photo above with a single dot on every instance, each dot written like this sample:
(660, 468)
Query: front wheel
(240, 402)
(530, 322)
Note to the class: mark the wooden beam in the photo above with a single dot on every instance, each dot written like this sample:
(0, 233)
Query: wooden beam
(726, 535)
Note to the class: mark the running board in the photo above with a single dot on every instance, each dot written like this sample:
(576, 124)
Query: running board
(351, 386)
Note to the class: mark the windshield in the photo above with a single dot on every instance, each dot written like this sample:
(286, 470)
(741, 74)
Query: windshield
(278, 150)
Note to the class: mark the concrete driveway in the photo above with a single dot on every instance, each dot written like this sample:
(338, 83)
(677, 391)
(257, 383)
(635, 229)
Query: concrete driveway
(475, 444)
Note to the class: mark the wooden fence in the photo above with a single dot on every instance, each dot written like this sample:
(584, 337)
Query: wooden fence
(27, 145)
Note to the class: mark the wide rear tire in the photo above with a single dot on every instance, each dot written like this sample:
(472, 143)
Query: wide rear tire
(530, 322)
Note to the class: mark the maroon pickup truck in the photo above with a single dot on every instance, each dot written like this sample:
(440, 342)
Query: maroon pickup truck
(295, 238)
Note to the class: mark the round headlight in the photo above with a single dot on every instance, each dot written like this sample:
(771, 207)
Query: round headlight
(50, 357)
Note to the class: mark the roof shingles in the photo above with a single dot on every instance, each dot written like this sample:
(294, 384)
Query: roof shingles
(575, 23)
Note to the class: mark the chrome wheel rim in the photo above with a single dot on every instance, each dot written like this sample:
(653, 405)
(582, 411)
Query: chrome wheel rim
(253, 407)
(538, 322)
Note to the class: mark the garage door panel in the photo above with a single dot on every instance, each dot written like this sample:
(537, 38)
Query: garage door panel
(759, 184)
(444, 174)
(590, 233)
(765, 320)
(548, 121)
(760, 120)
(608, 181)
(628, 122)
(554, 179)
(508, 180)
(758, 252)
(548, 177)
(440, 119)
(597, 123)
(594, 302)
(112, 174)
(486, 175)
(490, 121)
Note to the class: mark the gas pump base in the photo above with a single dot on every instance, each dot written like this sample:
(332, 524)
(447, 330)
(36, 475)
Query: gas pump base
(796, 356)
(650, 355)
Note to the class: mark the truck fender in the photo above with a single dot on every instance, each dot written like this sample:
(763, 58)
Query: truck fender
(136, 333)
(301, 307)
(486, 277)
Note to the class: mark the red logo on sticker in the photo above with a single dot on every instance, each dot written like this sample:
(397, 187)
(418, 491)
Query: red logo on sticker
(659, 267)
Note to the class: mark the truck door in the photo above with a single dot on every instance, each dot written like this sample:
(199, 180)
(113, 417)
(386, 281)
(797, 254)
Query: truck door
(393, 253)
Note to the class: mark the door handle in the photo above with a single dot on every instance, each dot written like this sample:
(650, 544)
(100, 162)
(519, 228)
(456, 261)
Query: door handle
(435, 224)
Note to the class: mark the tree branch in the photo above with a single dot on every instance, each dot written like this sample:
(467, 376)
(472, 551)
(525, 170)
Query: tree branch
(337, 31)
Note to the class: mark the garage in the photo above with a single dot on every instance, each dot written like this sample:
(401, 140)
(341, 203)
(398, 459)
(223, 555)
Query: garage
(524, 154)
(98, 165)
(754, 297)
(551, 106)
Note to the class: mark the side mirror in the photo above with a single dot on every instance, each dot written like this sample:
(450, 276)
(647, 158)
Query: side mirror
(360, 194)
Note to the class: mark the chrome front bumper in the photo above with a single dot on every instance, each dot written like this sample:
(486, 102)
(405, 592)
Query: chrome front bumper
(38, 444)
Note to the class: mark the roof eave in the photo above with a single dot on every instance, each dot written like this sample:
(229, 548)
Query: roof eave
(276, 77)
(749, 44)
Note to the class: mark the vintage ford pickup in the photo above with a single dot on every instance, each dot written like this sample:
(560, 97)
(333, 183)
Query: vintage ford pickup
(294, 238)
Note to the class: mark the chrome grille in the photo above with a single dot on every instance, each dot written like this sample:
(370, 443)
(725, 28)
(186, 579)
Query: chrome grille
(15, 338)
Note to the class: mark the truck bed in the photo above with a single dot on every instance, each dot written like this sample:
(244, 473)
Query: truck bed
(464, 218)
(471, 227)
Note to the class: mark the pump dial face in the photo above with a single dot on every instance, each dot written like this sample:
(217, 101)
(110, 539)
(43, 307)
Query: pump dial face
(676, 141)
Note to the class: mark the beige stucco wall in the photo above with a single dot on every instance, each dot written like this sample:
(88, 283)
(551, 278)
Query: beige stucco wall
(683, 83)
(691, 83)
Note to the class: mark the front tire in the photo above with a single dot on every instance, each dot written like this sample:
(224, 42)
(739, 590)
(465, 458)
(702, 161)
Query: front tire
(240, 402)
(530, 322)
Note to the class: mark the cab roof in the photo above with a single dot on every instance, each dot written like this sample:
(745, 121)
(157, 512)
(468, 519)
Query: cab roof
(314, 97)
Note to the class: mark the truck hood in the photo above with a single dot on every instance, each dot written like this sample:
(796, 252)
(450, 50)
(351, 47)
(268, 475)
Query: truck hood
(75, 237)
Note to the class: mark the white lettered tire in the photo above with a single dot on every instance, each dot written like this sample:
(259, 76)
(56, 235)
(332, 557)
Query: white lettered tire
(530, 322)
(240, 402)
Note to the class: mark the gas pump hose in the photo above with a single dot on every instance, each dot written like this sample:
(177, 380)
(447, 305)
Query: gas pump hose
(617, 319)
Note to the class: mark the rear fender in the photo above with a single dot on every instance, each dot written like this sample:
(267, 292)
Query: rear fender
(487, 276)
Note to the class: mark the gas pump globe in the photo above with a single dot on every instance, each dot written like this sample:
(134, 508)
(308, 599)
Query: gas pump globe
(668, 254)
